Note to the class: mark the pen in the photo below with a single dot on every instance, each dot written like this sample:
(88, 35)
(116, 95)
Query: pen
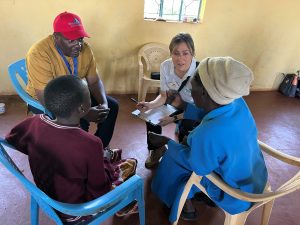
(173, 114)
(177, 112)
(134, 100)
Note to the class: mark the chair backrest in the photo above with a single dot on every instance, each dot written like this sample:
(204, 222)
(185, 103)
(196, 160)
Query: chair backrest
(289, 186)
(153, 55)
(19, 69)
(104, 206)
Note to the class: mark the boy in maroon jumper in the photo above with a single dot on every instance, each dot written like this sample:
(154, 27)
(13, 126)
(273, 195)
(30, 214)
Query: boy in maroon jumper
(67, 162)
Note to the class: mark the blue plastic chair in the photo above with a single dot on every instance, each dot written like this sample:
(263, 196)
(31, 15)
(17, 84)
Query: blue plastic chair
(19, 68)
(104, 206)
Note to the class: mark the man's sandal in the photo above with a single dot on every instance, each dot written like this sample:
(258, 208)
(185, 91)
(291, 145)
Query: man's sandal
(132, 208)
(189, 216)
(201, 197)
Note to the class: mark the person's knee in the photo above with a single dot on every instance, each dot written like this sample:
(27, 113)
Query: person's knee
(113, 104)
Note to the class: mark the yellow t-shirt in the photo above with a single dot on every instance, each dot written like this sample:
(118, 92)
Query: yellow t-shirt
(44, 63)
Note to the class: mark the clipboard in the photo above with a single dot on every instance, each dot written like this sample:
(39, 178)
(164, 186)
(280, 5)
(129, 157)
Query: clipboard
(154, 115)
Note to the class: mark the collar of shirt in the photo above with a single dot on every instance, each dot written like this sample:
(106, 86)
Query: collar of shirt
(221, 110)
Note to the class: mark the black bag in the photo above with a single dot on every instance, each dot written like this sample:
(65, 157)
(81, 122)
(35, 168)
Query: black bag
(298, 89)
(287, 87)
(298, 86)
(155, 75)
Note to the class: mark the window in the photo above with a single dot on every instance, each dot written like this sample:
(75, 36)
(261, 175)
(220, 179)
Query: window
(174, 10)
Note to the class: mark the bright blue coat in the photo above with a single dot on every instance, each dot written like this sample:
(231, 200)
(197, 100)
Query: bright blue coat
(225, 143)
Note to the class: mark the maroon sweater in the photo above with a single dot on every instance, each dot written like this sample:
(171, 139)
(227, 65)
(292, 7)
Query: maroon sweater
(66, 162)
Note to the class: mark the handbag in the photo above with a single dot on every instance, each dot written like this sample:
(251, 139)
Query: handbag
(288, 86)
(298, 86)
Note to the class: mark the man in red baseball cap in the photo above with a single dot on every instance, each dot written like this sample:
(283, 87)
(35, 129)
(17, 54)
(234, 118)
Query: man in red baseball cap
(66, 52)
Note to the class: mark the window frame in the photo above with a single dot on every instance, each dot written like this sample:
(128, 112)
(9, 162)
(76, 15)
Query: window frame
(180, 19)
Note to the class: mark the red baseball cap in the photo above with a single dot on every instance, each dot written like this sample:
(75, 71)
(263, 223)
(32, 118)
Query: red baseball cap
(70, 26)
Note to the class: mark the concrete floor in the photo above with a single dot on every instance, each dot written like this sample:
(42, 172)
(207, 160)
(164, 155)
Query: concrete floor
(278, 122)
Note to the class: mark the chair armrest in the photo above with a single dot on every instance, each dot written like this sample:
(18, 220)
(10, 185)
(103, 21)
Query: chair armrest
(4, 142)
(292, 160)
(102, 203)
(141, 70)
(31, 101)
(249, 197)
(140, 64)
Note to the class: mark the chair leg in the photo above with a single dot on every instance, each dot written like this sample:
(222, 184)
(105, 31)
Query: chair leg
(141, 208)
(141, 205)
(34, 212)
(182, 200)
(266, 213)
(144, 91)
(238, 219)
(140, 90)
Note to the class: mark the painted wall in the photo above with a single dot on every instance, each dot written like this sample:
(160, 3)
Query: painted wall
(261, 33)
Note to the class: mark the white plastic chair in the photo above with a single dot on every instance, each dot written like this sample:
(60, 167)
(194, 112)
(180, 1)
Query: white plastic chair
(266, 199)
(150, 56)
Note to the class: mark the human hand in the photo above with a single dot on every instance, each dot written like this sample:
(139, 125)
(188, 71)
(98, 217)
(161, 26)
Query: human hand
(102, 106)
(175, 99)
(102, 113)
(143, 106)
(157, 140)
(97, 114)
(166, 120)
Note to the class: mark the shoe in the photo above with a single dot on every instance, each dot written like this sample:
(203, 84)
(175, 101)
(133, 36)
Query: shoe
(113, 154)
(188, 213)
(201, 197)
(132, 208)
(189, 216)
(154, 157)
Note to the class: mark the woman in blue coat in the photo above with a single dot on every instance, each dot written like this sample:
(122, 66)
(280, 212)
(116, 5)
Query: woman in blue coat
(225, 142)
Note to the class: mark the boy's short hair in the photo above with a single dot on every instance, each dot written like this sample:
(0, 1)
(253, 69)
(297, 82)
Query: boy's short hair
(63, 95)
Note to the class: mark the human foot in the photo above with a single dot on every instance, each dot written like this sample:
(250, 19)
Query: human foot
(189, 212)
(157, 140)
